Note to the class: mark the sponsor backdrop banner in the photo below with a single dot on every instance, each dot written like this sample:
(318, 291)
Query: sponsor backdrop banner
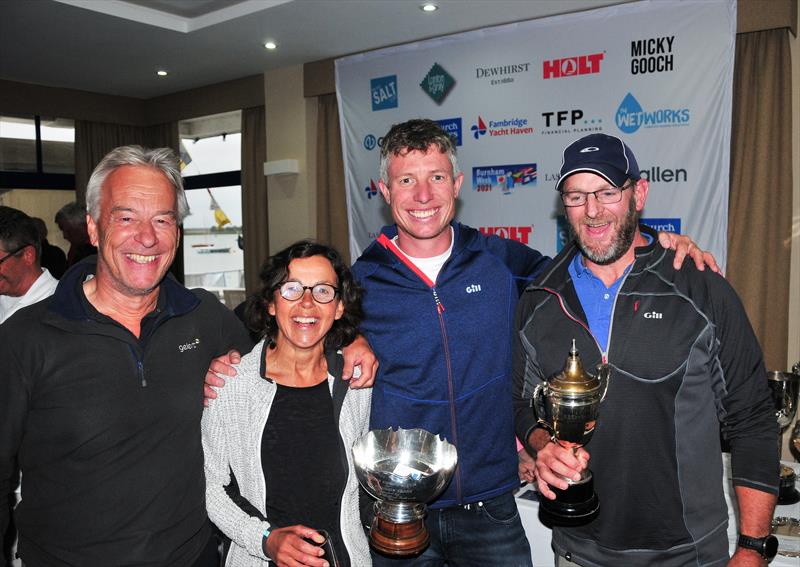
(657, 74)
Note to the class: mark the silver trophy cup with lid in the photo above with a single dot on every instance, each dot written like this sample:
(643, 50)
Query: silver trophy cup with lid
(567, 405)
(402, 469)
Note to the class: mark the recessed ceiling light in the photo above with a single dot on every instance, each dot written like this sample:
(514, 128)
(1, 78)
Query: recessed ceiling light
(161, 73)
(429, 7)
(271, 45)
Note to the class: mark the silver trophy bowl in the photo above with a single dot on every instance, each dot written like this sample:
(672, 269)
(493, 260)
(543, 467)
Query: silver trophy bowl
(402, 469)
(785, 387)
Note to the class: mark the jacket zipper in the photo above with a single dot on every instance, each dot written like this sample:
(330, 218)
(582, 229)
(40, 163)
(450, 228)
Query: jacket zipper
(389, 245)
(139, 366)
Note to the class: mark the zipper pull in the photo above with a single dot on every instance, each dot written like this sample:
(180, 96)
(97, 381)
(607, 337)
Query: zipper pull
(439, 306)
(140, 367)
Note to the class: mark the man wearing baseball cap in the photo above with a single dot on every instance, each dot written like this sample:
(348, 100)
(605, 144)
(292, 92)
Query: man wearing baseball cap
(684, 363)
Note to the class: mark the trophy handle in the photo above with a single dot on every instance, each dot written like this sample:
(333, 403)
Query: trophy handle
(539, 409)
(604, 375)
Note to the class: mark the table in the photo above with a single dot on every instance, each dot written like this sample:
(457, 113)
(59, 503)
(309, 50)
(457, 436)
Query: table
(539, 535)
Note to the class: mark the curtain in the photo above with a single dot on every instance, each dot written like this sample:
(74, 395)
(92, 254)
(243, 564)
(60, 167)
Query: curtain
(93, 140)
(331, 200)
(254, 195)
(759, 214)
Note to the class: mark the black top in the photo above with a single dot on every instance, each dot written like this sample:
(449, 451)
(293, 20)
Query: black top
(304, 485)
(54, 259)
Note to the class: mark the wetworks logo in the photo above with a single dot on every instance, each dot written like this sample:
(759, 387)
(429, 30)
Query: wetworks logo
(572, 66)
(437, 83)
(371, 190)
(631, 116)
(384, 92)
(514, 126)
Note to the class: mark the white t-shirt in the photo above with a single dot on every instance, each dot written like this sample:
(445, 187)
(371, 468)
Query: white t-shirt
(433, 265)
(44, 286)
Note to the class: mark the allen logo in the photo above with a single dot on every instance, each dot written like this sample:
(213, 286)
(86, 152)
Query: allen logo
(653, 315)
(474, 288)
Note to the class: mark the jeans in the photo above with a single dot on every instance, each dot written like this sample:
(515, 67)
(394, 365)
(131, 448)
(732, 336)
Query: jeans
(482, 534)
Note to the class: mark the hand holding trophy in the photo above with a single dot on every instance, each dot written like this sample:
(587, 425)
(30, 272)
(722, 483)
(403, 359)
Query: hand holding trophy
(567, 405)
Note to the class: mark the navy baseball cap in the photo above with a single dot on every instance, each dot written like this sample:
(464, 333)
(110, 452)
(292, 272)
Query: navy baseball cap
(603, 155)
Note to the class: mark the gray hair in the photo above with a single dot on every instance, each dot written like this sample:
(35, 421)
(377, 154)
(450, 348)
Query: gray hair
(162, 159)
(72, 214)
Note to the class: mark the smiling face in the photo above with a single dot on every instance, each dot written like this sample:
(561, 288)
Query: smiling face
(303, 324)
(136, 233)
(605, 233)
(422, 195)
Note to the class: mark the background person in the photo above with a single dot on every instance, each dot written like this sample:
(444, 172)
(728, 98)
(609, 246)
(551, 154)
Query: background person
(285, 426)
(71, 219)
(53, 257)
(684, 361)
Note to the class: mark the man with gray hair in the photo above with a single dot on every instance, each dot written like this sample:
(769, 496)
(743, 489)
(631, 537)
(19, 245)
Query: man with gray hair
(71, 219)
(102, 395)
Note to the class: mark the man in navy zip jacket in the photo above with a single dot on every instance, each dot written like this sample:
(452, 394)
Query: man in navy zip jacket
(684, 362)
(101, 394)
(439, 305)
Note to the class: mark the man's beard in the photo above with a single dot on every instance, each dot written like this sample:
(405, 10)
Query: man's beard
(619, 246)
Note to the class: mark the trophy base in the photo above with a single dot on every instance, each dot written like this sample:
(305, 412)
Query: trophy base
(575, 506)
(398, 539)
(787, 493)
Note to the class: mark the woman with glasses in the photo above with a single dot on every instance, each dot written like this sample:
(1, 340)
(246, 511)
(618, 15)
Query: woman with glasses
(285, 425)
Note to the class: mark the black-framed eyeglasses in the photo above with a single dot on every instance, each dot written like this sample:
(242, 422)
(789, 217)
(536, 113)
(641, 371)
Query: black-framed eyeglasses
(13, 253)
(606, 196)
(322, 293)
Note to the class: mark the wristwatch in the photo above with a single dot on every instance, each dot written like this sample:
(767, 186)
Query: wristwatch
(767, 546)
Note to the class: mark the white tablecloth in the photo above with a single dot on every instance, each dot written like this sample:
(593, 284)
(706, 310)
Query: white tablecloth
(539, 535)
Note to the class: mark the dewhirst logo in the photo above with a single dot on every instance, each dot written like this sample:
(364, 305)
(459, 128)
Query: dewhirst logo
(453, 128)
(189, 346)
(572, 66)
(631, 116)
(437, 83)
(514, 126)
(652, 55)
(383, 91)
(519, 233)
(569, 121)
(501, 74)
(505, 178)
(371, 190)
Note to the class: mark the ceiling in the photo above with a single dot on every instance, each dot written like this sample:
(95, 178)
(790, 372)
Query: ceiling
(115, 47)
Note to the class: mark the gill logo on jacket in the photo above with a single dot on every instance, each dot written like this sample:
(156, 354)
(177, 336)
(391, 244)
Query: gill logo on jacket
(474, 288)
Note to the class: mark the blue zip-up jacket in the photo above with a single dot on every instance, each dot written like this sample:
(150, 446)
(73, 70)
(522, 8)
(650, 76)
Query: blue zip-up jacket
(445, 352)
(107, 426)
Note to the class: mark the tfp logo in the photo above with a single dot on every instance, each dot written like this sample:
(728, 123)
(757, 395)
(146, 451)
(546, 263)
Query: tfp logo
(653, 55)
(453, 127)
(437, 83)
(572, 66)
(514, 126)
(663, 225)
(570, 121)
(518, 233)
(501, 74)
(371, 190)
(630, 116)
(384, 92)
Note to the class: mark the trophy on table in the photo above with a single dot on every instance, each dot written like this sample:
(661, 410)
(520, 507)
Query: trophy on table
(785, 387)
(567, 405)
(402, 469)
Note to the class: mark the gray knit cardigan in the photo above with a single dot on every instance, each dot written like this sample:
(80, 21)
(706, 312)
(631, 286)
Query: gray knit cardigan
(232, 430)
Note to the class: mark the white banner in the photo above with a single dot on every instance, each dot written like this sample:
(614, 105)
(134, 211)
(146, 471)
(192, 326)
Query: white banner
(657, 73)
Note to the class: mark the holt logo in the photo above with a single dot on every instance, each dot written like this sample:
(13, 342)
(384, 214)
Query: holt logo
(572, 66)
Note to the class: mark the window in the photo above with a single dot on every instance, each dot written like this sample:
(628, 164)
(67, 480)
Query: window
(212, 253)
(19, 145)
